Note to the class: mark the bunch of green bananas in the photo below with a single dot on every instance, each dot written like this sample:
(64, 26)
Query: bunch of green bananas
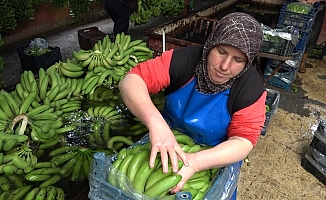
(67, 69)
(7, 16)
(72, 161)
(171, 7)
(58, 3)
(23, 9)
(19, 160)
(130, 166)
(107, 62)
(50, 192)
(8, 182)
(78, 7)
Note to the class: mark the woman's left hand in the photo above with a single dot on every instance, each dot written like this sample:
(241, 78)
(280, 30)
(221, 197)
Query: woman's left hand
(186, 173)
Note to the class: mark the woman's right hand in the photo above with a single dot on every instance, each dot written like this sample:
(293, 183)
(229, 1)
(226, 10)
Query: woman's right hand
(162, 140)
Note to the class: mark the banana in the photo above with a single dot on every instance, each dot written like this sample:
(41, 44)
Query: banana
(37, 177)
(58, 160)
(6, 107)
(103, 76)
(19, 162)
(100, 69)
(11, 101)
(60, 194)
(68, 167)
(4, 116)
(49, 144)
(54, 81)
(119, 138)
(184, 139)
(87, 62)
(77, 91)
(50, 192)
(73, 71)
(163, 186)
(113, 173)
(91, 86)
(5, 184)
(43, 86)
(134, 43)
(9, 144)
(81, 55)
(37, 110)
(55, 178)
(135, 164)
(142, 175)
(31, 195)
(15, 180)
(42, 164)
(45, 116)
(76, 172)
(197, 184)
(27, 102)
(62, 94)
(41, 195)
(51, 94)
(20, 192)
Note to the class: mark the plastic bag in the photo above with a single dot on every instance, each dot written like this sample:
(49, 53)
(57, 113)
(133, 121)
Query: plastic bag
(39, 43)
(223, 184)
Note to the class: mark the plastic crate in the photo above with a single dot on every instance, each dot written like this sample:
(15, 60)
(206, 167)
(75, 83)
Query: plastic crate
(283, 48)
(272, 100)
(313, 167)
(302, 42)
(318, 52)
(43, 61)
(223, 184)
(317, 156)
(280, 80)
(319, 140)
(89, 36)
(303, 22)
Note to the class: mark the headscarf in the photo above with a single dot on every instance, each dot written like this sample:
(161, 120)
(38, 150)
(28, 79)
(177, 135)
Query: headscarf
(239, 30)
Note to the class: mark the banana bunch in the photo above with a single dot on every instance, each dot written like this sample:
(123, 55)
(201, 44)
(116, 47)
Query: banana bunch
(58, 3)
(18, 193)
(50, 192)
(103, 93)
(108, 62)
(138, 129)
(9, 182)
(18, 161)
(171, 7)
(78, 7)
(23, 9)
(74, 161)
(67, 69)
(8, 142)
(130, 166)
(7, 16)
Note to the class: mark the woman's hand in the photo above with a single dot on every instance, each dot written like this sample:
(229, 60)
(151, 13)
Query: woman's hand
(186, 172)
(163, 141)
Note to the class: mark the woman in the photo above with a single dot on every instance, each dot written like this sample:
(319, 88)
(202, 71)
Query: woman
(213, 94)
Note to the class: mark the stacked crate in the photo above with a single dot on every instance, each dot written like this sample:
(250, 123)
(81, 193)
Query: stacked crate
(302, 24)
(314, 160)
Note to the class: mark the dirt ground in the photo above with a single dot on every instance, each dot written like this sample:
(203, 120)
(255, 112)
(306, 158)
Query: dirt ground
(275, 171)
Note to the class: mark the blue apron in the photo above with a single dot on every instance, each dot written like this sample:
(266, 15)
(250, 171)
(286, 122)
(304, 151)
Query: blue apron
(204, 117)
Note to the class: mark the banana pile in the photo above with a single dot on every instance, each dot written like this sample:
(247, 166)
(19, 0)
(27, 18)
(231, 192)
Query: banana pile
(130, 169)
(148, 8)
(28, 192)
(7, 16)
(53, 122)
(107, 62)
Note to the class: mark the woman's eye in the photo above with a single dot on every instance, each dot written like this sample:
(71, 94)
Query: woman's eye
(239, 59)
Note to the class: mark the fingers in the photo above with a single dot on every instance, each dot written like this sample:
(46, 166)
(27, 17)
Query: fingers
(152, 157)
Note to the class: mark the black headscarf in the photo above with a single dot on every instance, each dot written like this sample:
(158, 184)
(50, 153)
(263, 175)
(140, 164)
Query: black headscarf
(239, 30)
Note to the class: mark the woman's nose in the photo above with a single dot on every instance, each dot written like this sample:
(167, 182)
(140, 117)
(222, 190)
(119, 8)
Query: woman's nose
(226, 61)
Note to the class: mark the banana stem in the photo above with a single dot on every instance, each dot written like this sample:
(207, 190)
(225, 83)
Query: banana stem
(23, 125)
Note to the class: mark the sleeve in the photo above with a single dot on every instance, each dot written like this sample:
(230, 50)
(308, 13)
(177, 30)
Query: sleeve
(248, 122)
(155, 72)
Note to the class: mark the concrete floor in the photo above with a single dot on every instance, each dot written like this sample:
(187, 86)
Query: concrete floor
(275, 171)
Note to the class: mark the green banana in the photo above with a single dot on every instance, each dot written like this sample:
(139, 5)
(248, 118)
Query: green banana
(20, 192)
(135, 164)
(55, 178)
(163, 186)
(32, 193)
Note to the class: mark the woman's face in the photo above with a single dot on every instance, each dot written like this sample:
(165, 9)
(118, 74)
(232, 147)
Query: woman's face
(225, 62)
